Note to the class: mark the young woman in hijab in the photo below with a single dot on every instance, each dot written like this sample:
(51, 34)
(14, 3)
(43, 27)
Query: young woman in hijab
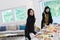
(30, 24)
(46, 17)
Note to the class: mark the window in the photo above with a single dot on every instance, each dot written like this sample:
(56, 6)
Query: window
(7, 16)
(20, 14)
(55, 9)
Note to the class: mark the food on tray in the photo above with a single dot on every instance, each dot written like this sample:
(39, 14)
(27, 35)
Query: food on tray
(47, 38)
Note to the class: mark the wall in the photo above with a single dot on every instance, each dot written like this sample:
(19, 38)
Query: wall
(8, 4)
(37, 12)
(34, 4)
(5, 4)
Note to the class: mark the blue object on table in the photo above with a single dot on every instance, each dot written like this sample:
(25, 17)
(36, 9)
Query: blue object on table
(55, 23)
(2, 28)
(22, 27)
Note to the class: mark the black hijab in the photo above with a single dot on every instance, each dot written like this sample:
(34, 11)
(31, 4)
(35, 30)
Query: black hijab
(30, 23)
(30, 19)
(29, 16)
(49, 10)
(43, 17)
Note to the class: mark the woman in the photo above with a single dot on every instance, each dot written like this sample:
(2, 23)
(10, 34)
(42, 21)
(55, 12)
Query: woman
(46, 17)
(30, 24)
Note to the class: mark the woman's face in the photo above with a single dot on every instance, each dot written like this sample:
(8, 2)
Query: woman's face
(31, 12)
(47, 10)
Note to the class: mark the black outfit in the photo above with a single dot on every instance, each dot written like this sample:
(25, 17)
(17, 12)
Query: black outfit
(43, 20)
(29, 26)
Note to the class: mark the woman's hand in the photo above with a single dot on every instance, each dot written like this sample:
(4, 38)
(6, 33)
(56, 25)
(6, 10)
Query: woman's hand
(45, 26)
(36, 35)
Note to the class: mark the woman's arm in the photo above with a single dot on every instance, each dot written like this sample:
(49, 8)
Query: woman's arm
(42, 22)
(51, 20)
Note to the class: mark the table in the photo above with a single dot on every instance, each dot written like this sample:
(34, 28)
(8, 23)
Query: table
(47, 35)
